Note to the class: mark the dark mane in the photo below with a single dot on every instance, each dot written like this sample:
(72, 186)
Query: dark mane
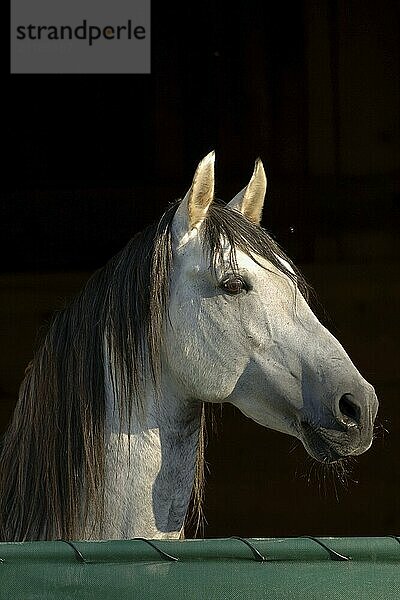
(53, 454)
(52, 461)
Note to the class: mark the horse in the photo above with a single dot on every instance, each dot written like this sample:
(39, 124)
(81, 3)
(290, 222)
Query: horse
(201, 308)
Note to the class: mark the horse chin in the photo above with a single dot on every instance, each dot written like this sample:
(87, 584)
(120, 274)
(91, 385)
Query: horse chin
(327, 446)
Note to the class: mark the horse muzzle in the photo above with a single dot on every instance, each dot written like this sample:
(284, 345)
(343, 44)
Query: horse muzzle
(350, 430)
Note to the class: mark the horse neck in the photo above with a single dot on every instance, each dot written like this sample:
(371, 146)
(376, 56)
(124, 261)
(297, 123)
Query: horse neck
(150, 468)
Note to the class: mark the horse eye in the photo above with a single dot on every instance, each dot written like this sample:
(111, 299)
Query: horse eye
(234, 285)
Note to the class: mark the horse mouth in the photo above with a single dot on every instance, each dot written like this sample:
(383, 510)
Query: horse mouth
(325, 445)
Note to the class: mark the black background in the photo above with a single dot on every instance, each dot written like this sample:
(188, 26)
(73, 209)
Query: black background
(312, 88)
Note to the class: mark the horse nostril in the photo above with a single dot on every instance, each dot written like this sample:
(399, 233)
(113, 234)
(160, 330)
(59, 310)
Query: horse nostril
(350, 412)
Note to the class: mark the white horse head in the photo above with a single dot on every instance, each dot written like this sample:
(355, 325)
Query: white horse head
(241, 331)
(201, 307)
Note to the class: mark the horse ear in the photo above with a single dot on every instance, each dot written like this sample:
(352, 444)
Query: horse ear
(250, 200)
(193, 208)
